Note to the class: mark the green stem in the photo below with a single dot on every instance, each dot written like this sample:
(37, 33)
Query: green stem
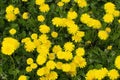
(12, 61)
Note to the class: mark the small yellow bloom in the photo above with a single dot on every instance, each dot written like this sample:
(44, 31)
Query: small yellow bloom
(44, 28)
(44, 8)
(109, 47)
(25, 0)
(28, 69)
(116, 13)
(119, 20)
(16, 11)
(34, 36)
(54, 34)
(25, 15)
(33, 65)
(108, 29)
(41, 18)
(103, 35)
(60, 4)
(12, 31)
(9, 9)
(29, 61)
(22, 77)
(66, 67)
(65, 1)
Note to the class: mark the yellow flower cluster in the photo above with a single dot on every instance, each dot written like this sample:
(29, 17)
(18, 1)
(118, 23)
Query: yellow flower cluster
(99, 74)
(11, 13)
(90, 22)
(72, 28)
(9, 45)
(32, 65)
(81, 3)
(111, 12)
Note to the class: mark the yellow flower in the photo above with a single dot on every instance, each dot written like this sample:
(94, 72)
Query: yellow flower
(9, 45)
(44, 8)
(34, 36)
(41, 59)
(117, 62)
(119, 21)
(41, 18)
(72, 29)
(51, 56)
(85, 18)
(116, 13)
(33, 65)
(43, 38)
(90, 75)
(82, 3)
(29, 61)
(10, 17)
(29, 46)
(22, 77)
(113, 74)
(109, 47)
(60, 4)
(68, 55)
(41, 71)
(69, 46)
(80, 51)
(44, 29)
(80, 61)
(25, 0)
(65, 1)
(52, 75)
(43, 50)
(10, 9)
(108, 29)
(103, 35)
(56, 48)
(72, 15)
(26, 40)
(25, 15)
(39, 2)
(108, 18)
(12, 31)
(66, 67)
(28, 69)
(54, 34)
(16, 11)
(109, 7)
(59, 65)
(96, 24)
(101, 73)
(59, 22)
(50, 64)
(60, 55)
